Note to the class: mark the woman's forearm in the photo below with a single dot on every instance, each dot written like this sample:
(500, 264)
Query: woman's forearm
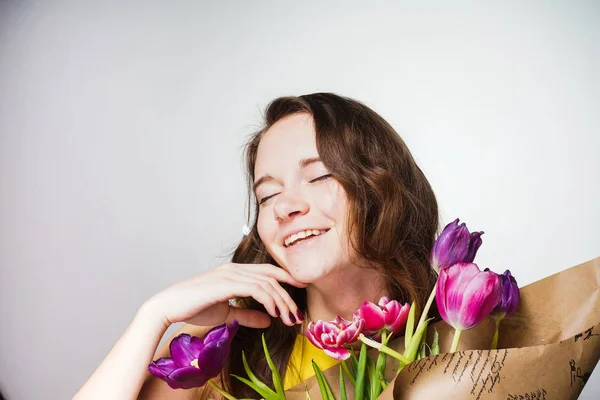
(122, 373)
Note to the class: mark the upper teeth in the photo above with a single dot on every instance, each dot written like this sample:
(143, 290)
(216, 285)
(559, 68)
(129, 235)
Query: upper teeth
(301, 235)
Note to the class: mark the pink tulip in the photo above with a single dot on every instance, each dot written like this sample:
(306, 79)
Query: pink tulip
(331, 336)
(388, 315)
(466, 295)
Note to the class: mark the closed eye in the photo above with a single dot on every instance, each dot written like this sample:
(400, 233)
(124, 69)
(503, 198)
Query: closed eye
(321, 178)
(261, 201)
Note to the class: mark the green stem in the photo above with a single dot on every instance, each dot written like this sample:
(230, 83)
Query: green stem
(494, 345)
(221, 391)
(384, 349)
(348, 373)
(457, 333)
(427, 307)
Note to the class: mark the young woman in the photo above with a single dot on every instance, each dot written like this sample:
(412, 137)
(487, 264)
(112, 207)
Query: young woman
(341, 214)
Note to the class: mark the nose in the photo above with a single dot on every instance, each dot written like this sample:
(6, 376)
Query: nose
(289, 205)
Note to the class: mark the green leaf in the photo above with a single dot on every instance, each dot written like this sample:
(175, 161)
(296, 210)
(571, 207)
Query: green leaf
(257, 385)
(423, 351)
(413, 347)
(410, 324)
(274, 371)
(359, 393)
(374, 385)
(379, 372)
(354, 362)
(343, 395)
(221, 391)
(349, 373)
(435, 346)
(424, 347)
(326, 392)
(252, 385)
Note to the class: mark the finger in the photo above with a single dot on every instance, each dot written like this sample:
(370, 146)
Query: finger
(249, 318)
(275, 272)
(281, 307)
(296, 317)
(250, 287)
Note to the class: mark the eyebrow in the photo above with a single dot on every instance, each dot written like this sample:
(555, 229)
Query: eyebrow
(305, 162)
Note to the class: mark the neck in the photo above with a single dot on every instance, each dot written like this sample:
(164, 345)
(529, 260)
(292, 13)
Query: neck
(343, 293)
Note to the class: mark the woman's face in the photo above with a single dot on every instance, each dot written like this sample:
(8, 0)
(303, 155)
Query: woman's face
(302, 210)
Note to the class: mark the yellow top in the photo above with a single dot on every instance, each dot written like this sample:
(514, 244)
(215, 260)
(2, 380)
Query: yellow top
(300, 366)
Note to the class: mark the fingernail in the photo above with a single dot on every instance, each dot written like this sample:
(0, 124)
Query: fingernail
(292, 318)
(300, 315)
(277, 311)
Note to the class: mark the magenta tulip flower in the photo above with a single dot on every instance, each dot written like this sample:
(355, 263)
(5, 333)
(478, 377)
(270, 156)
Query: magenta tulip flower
(455, 245)
(388, 315)
(193, 360)
(510, 296)
(332, 336)
(465, 295)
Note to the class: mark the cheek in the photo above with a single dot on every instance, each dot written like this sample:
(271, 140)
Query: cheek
(266, 230)
(335, 204)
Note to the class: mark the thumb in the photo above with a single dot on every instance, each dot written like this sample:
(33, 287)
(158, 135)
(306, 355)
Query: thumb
(249, 318)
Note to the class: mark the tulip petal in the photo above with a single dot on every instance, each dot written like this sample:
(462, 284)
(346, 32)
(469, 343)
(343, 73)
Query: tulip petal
(222, 332)
(217, 333)
(458, 277)
(312, 338)
(466, 295)
(320, 328)
(399, 323)
(451, 246)
(373, 316)
(331, 336)
(162, 367)
(440, 294)
(391, 312)
(474, 243)
(339, 353)
(455, 244)
(213, 357)
(480, 297)
(350, 334)
(187, 378)
(383, 301)
(180, 350)
(193, 360)
(510, 295)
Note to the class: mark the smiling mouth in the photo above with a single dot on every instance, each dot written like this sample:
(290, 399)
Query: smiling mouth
(303, 235)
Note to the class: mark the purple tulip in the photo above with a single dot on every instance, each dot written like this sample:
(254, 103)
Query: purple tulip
(466, 295)
(455, 245)
(510, 296)
(193, 360)
(331, 336)
(388, 315)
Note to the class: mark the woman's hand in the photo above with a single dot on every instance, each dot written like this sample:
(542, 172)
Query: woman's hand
(203, 299)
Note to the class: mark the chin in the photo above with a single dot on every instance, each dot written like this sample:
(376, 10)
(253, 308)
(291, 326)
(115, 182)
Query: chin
(310, 265)
(309, 272)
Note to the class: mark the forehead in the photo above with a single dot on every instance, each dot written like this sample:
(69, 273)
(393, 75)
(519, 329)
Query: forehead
(285, 143)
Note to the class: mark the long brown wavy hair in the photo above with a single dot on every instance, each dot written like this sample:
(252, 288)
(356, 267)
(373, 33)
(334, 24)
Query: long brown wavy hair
(393, 217)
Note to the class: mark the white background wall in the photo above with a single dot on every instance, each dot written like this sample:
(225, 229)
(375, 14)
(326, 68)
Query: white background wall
(121, 128)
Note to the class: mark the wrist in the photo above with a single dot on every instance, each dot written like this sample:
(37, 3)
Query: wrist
(149, 314)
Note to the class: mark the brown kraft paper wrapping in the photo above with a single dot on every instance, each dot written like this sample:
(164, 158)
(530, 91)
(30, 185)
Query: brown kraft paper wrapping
(547, 349)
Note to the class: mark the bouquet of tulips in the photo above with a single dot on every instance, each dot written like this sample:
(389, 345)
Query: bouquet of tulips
(549, 346)
(465, 296)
